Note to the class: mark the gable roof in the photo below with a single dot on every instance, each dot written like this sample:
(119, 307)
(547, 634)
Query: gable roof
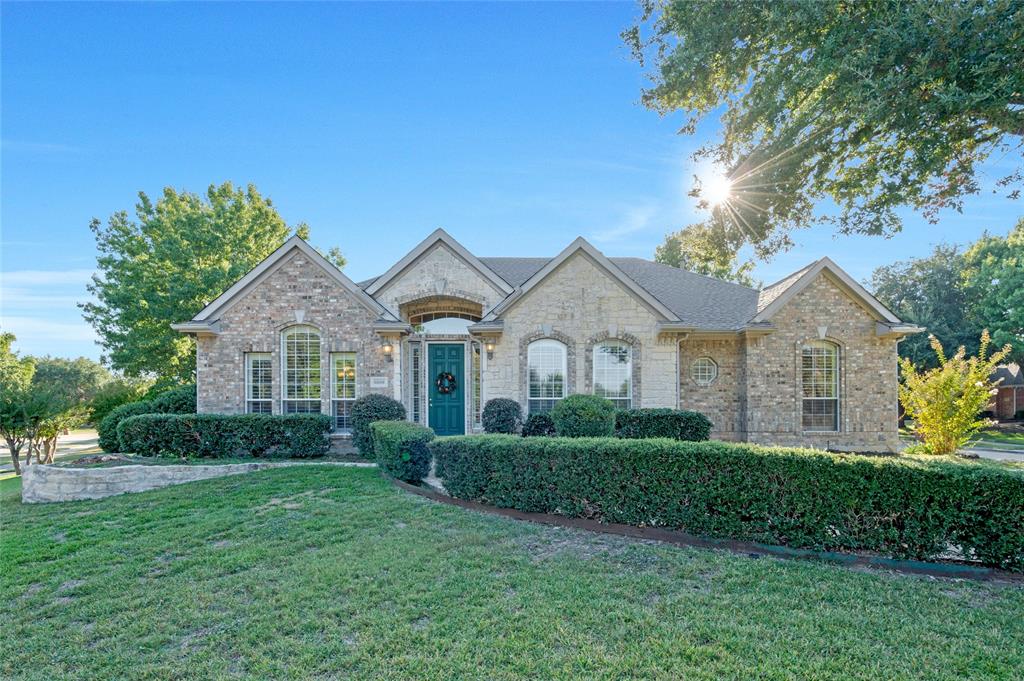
(581, 245)
(775, 297)
(1010, 374)
(211, 312)
(437, 236)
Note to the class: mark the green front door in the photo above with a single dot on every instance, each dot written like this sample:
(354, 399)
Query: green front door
(447, 410)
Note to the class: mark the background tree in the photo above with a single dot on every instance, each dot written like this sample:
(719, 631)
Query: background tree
(994, 280)
(929, 292)
(79, 379)
(867, 105)
(700, 248)
(119, 391)
(167, 264)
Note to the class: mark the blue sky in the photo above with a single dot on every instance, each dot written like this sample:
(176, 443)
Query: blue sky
(516, 127)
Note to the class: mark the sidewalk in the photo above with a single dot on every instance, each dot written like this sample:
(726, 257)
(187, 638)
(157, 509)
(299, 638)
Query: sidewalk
(74, 444)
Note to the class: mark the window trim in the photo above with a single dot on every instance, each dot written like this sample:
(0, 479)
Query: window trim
(249, 399)
(339, 401)
(536, 345)
(285, 400)
(476, 393)
(595, 353)
(836, 383)
(693, 366)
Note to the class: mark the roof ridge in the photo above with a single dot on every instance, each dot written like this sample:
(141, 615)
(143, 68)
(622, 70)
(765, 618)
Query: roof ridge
(680, 269)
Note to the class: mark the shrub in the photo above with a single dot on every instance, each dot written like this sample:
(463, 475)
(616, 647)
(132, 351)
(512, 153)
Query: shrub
(675, 424)
(1019, 415)
(225, 435)
(538, 425)
(502, 415)
(896, 506)
(365, 411)
(401, 449)
(180, 400)
(946, 402)
(584, 416)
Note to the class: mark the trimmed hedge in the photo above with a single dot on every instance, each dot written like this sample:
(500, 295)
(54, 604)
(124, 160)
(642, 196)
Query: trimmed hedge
(539, 425)
(225, 435)
(584, 416)
(180, 400)
(401, 449)
(898, 507)
(368, 409)
(671, 423)
(502, 415)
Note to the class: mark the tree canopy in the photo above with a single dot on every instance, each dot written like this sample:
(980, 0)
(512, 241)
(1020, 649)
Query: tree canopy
(78, 379)
(867, 106)
(164, 266)
(699, 248)
(994, 282)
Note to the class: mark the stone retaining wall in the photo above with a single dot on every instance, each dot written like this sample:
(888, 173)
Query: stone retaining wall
(41, 484)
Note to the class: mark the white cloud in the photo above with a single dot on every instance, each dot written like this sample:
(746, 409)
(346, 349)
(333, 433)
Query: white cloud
(636, 219)
(46, 277)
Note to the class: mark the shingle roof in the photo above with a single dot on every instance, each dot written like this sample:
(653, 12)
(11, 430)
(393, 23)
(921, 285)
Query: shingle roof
(769, 293)
(1010, 373)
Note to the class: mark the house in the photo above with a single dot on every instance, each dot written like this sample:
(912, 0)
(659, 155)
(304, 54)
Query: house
(1009, 398)
(809, 360)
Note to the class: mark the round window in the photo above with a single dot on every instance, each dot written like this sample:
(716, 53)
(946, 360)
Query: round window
(704, 371)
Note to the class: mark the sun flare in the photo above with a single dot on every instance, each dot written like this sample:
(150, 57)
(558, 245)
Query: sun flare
(717, 189)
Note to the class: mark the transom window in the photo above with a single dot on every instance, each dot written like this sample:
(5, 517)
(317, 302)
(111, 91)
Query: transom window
(546, 361)
(819, 378)
(301, 360)
(258, 382)
(704, 371)
(343, 389)
(613, 373)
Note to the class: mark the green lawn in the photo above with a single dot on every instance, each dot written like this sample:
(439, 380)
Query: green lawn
(326, 572)
(1002, 438)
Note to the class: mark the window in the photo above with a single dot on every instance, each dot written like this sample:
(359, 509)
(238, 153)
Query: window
(475, 371)
(258, 377)
(613, 373)
(703, 371)
(301, 359)
(547, 370)
(415, 382)
(343, 389)
(819, 376)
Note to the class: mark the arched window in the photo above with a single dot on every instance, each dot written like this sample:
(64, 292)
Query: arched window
(300, 356)
(546, 375)
(819, 377)
(613, 372)
(703, 371)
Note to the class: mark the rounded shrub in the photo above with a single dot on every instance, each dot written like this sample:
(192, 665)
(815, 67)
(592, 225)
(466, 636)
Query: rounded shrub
(400, 449)
(365, 411)
(181, 400)
(539, 425)
(502, 415)
(584, 416)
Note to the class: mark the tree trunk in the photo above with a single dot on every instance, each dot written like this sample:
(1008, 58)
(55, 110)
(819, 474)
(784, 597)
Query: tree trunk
(15, 455)
(49, 449)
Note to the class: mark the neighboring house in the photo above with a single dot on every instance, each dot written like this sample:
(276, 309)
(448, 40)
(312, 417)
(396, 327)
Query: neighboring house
(810, 360)
(1009, 399)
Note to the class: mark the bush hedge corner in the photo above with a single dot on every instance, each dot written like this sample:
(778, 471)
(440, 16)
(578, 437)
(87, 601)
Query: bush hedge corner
(181, 400)
(401, 449)
(671, 423)
(368, 409)
(502, 415)
(225, 435)
(894, 506)
(584, 416)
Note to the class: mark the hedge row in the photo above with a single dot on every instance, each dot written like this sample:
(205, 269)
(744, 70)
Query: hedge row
(896, 507)
(635, 424)
(368, 410)
(177, 401)
(401, 449)
(221, 435)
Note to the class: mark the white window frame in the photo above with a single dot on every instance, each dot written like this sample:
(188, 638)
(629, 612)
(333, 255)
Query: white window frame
(265, 404)
(476, 393)
(544, 403)
(704, 371)
(819, 383)
(416, 354)
(301, 405)
(341, 407)
(619, 402)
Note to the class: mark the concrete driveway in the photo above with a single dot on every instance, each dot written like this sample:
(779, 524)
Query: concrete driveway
(74, 444)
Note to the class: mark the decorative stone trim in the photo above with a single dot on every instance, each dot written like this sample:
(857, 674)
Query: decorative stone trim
(588, 362)
(570, 360)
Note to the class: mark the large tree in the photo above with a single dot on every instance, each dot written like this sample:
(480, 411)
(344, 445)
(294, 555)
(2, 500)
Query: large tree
(930, 291)
(700, 248)
(864, 106)
(78, 379)
(994, 280)
(167, 264)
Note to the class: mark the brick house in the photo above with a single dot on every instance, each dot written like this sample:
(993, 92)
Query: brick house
(1009, 398)
(809, 360)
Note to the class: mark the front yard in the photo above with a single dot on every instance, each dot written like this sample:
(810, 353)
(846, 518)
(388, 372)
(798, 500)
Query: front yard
(334, 573)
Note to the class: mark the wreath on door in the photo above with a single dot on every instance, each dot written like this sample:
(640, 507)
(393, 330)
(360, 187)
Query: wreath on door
(445, 383)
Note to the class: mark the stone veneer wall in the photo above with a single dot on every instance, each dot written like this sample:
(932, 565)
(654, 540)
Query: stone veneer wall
(580, 301)
(723, 400)
(298, 291)
(439, 271)
(868, 379)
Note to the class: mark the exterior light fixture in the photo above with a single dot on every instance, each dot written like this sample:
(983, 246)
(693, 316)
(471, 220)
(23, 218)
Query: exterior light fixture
(489, 347)
(388, 349)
